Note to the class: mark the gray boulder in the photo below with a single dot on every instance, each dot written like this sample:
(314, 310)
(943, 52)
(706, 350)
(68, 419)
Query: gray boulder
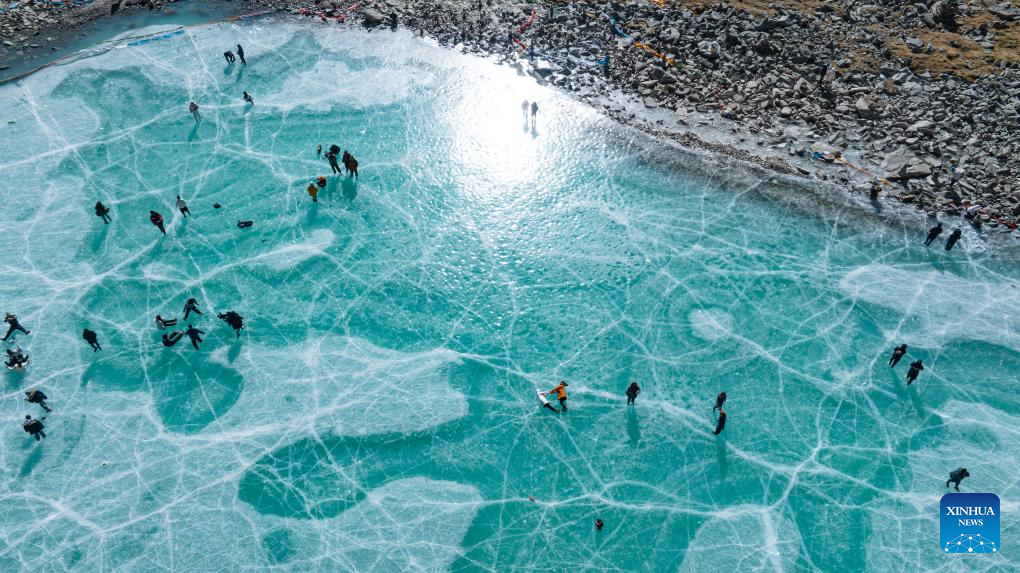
(372, 17)
(1005, 10)
(867, 108)
(902, 164)
(709, 49)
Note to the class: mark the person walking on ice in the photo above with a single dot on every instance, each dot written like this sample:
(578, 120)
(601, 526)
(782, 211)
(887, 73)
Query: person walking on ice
(182, 206)
(240, 54)
(92, 338)
(719, 401)
(12, 325)
(956, 476)
(193, 108)
(193, 334)
(103, 212)
(933, 233)
(953, 238)
(157, 220)
(915, 368)
(561, 394)
(898, 353)
(545, 401)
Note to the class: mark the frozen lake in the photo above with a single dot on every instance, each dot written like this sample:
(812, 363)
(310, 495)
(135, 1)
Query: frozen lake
(378, 412)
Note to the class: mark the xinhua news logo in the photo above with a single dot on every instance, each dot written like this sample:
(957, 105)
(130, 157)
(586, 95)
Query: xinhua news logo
(969, 523)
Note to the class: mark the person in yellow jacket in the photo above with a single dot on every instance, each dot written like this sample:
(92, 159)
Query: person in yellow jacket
(561, 394)
(313, 190)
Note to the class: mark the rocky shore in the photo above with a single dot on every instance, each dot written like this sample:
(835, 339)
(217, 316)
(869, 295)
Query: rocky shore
(924, 96)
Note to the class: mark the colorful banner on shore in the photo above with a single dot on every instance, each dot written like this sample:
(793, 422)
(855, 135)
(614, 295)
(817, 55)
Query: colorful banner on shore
(637, 43)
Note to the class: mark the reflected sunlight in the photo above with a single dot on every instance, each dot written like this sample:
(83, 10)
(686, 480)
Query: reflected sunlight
(495, 139)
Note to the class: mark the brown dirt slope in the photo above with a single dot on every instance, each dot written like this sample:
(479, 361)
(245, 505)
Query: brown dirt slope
(957, 53)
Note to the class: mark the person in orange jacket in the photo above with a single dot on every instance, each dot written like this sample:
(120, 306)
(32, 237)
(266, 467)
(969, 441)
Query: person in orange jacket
(313, 190)
(561, 394)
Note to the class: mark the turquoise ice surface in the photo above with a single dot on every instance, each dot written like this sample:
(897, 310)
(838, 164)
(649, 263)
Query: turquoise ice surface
(378, 412)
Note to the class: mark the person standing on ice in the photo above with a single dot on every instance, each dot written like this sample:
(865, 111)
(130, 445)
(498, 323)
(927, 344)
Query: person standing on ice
(248, 98)
(352, 165)
(956, 476)
(524, 110)
(632, 391)
(236, 321)
(561, 394)
(313, 192)
(318, 151)
(190, 306)
(183, 207)
(545, 401)
(193, 334)
(193, 108)
(721, 424)
(719, 401)
(33, 428)
(953, 238)
(932, 233)
(92, 338)
(331, 157)
(12, 325)
(240, 54)
(103, 212)
(897, 353)
(157, 220)
(915, 369)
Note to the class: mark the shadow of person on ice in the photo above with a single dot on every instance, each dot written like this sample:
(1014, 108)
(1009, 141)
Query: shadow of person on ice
(633, 428)
(350, 189)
